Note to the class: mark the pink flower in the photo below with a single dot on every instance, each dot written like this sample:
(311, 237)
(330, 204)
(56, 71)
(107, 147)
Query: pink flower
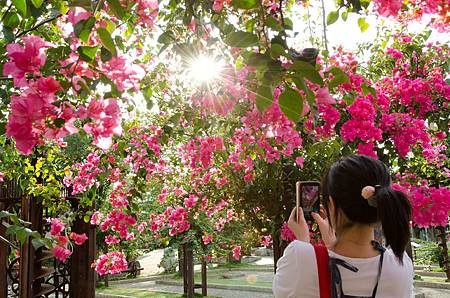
(111, 263)
(190, 201)
(218, 4)
(110, 239)
(266, 240)
(388, 8)
(207, 239)
(48, 85)
(96, 218)
(237, 252)
(61, 253)
(79, 239)
(324, 97)
(77, 14)
(123, 73)
(367, 149)
(56, 227)
(105, 116)
(62, 240)
(147, 10)
(2, 176)
(25, 59)
(299, 161)
(394, 53)
(286, 233)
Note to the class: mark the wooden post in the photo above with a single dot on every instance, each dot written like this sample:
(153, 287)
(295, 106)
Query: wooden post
(443, 245)
(204, 285)
(3, 258)
(184, 270)
(277, 253)
(180, 261)
(26, 253)
(82, 276)
(189, 260)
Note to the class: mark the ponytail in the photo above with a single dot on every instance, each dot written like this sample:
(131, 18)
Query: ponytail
(394, 212)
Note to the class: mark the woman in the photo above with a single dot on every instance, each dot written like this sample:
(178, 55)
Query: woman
(357, 195)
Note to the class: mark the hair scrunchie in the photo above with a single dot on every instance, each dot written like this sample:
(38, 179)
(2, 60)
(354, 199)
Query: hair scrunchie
(368, 193)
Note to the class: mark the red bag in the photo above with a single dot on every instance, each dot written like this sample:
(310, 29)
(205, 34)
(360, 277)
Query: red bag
(323, 269)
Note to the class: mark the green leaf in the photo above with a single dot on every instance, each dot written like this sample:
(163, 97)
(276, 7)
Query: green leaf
(332, 17)
(22, 234)
(300, 83)
(258, 60)
(37, 243)
(87, 53)
(245, 4)
(37, 3)
(83, 28)
(264, 97)
(363, 25)
(116, 8)
(339, 77)
(21, 6)
(11, 20)
(105, 55)
(272, 23)
(277, 50)
(59, 122)
(366, 89)
(291, 104)
(241, 39)
(308, 71)
(166, 37)
(5, 214)
(86, 218)
(107, 41)
(344, 15)
(349, 98)
(288, 24)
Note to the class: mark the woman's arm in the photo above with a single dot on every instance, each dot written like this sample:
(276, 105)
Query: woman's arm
(285, 283)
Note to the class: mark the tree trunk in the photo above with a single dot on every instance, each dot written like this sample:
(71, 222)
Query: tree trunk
(82, 275)
(3, 258)
(278, 248)
(443, 245)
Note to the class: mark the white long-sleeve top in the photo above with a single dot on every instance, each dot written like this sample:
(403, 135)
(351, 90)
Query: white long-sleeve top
(297, 275)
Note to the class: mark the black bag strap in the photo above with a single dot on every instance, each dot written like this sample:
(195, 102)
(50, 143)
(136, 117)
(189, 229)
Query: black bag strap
(381, 249)
(337, 291)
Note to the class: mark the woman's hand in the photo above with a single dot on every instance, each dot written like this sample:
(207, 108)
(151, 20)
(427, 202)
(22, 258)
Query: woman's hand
(300, 228)
(328, 234)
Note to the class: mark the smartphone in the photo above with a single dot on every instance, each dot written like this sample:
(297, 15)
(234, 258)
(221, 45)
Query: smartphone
(308, 197)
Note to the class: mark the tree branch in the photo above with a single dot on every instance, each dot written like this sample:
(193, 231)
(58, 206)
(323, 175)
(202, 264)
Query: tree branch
(37, 26)
(324, 22)
(6, 12)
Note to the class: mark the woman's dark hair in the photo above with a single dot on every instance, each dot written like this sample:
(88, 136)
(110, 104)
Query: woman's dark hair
(344, 183)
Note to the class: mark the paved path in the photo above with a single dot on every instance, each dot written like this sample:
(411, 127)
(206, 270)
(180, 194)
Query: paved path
(151, 260)
(429, 293)
(152, 286)
(434, 293)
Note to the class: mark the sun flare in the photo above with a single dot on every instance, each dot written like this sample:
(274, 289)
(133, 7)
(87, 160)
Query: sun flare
(204, 69)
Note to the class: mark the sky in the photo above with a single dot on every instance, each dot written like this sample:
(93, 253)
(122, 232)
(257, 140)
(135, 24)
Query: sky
(348, 34)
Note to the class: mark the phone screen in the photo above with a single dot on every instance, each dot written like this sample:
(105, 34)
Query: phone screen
(310, 198)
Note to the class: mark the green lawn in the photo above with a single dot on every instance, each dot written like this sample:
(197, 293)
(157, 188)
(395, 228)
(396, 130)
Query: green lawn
(229, 278)
(139, 293)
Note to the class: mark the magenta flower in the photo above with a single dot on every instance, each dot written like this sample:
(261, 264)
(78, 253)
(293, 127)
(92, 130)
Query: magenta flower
(25, 59)
(79, 239)
(237, 252)
(111, 263)
(61, 253)
(56, 227)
